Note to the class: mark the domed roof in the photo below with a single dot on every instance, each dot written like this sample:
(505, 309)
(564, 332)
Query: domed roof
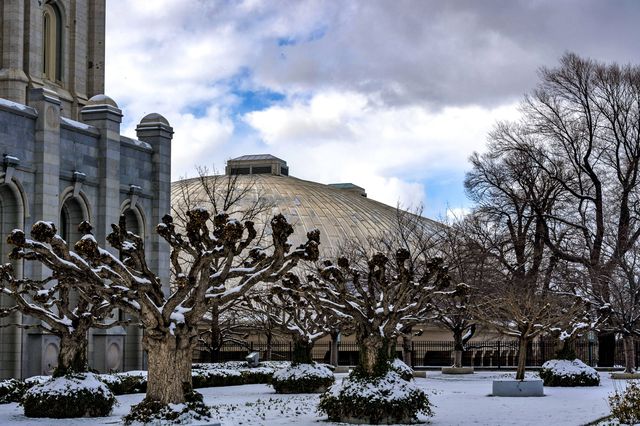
(339, 213)
(154, 118)
(102, 100)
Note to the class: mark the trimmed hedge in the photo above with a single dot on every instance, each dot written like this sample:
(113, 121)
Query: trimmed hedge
(11, 390)
(567, 373)
(388, 399)
(402, 369)
(75, 395)
(154, 412)
(302, 378)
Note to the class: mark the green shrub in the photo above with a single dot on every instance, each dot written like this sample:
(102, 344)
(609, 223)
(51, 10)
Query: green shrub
(625, 406)
(559, 372)
(387, 399)
(402, 369)
(75, 395)
(302, 378)
(123, 384)
(11, 390)
(216, 377)
(155, 412)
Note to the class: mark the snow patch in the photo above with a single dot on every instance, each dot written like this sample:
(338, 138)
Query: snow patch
(567, 368)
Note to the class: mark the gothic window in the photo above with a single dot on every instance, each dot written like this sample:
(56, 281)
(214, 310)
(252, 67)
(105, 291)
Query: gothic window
(71, 216)
(52, 42)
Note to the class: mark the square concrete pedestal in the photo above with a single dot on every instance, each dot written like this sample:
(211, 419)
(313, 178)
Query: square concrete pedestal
(457, 370)
(518, 388)
(625, 376)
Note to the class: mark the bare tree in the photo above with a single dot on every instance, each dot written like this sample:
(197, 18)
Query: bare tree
(217, 272)
(377, 295)
(62, 303)
(294, 316)
(521, 300)
(583, 133)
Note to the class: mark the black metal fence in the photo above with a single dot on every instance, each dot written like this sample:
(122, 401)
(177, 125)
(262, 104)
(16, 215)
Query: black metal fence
(492, 354)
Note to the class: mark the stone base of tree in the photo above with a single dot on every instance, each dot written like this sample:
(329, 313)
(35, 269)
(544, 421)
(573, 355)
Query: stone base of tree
(73, 395)
(625, 376)
(375, 400)
(302, 378)
(457, 370)
(154, 412)
(518, 388)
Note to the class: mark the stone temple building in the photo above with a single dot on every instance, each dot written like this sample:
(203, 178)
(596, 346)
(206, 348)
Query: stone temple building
(64, 160)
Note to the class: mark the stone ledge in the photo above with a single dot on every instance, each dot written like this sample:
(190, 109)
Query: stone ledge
(518, 388)
(341, 369)
(625, 376)
(457, 370)
(421, 374)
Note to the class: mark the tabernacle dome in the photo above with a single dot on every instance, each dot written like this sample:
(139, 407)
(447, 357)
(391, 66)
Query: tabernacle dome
(342, 212)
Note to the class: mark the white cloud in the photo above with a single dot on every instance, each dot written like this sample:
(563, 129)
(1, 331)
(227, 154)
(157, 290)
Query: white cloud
(384, 95)
(389, 151)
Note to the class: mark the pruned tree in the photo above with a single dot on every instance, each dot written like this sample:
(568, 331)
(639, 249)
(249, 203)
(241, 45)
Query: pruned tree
(62, 303)
(377, 295)
(294, 316)
(171, 320)
(451, 310)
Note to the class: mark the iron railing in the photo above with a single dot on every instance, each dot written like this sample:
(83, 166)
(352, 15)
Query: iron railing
(487, 353)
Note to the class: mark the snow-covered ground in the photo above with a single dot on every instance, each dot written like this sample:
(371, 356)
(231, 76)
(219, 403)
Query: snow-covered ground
(458, 400)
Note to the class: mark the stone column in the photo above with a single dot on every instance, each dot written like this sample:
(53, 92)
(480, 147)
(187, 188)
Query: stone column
(156, 131)
(103, 113)
(13, 80)
(46, 206)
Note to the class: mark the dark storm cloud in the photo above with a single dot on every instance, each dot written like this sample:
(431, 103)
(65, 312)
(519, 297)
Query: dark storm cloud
(448, 52)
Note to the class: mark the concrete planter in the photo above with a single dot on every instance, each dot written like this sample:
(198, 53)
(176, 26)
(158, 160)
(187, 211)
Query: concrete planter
(457, 370)
(518, 388)
(625, 376)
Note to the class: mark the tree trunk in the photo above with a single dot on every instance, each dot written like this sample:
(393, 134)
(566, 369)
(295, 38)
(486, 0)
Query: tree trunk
(72, 357)
(216, 334)
(333, 351)
(407, 353)
(301, 351)
(169, 368)
(629, 354)
(267, 355)
(458, 348)
(374, 355)
(522, 358)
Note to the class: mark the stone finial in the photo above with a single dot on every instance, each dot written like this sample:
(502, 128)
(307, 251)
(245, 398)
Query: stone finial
(102, 100)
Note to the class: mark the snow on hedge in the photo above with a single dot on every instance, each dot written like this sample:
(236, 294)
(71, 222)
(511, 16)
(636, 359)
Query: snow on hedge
(69, 384)
(389, 388)
(567, 368)
(301, 371)
(402, 369)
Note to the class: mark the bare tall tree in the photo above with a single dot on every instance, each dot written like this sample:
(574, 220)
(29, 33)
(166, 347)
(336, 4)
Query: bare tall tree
(583, 127)
(522, 299)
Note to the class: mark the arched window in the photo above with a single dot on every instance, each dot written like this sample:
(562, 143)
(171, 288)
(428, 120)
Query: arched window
(71, 216)
(52, 42)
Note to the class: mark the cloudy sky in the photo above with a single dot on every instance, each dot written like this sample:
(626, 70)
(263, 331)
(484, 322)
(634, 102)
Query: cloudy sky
(391, 95)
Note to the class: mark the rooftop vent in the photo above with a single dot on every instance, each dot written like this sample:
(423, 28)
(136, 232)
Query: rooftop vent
(349, 187)
(259, 164)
